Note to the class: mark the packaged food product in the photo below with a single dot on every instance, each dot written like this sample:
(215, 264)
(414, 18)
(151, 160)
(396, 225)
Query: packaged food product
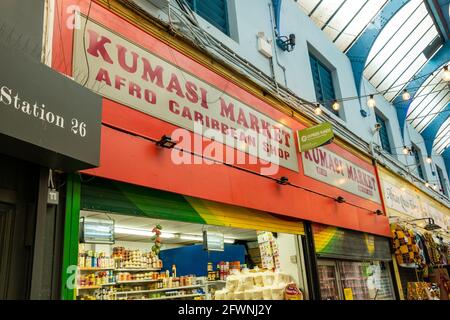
(278, 292)
(239, 295)
(247, 282)
(267, 293)
(229, 295)
(257, 294)
(258, 279)
(292, 292)
(220, 294)
(268, 278)
(232, 282)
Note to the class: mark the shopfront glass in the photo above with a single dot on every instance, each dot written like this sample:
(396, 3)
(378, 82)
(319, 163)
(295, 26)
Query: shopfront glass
(355, 280)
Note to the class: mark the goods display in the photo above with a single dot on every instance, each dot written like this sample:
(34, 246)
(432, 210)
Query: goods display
(270, 256)
(407, 251)
(223, 270)
(91, 259)
(258, 284)
(133, 259)
(423, 291)
(428, 253)
(138, 266)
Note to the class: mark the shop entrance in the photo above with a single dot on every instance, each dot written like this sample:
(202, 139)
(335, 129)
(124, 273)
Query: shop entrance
(186, 261)
(172, 246)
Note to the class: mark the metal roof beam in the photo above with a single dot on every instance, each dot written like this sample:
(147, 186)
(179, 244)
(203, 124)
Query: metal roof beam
(446, 157)
(438, 18)
(360, 50)
(430, 132)
(437, 61)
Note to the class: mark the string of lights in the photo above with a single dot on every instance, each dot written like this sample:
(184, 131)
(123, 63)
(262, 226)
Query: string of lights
(406, 95)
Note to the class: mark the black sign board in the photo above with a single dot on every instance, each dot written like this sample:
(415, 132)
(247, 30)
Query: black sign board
(46, 117)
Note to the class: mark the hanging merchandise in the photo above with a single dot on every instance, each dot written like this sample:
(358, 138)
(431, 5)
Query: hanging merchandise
(443, 250)
(407, 252)
(441, 278)
(156, 248)
(423, 291)
(433, 252)
(268, 246)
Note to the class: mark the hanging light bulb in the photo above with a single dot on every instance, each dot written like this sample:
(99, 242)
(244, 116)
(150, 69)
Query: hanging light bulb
(429, 160)
(427, 184)
(317, 110)
(446, 74)
(335, 105)
(405, 150)
(434, 187)
(405, 95)
(371, 103)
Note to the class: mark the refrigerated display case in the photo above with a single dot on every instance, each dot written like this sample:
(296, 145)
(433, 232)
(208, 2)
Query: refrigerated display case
(329, 282)
(364, 280)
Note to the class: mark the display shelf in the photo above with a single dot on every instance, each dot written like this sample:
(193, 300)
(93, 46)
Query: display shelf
(177, 297)
(109, 284)
(216, 282)
(94, 269)
(160, 290)
(138, 281)
(135, 269)
(89, 288)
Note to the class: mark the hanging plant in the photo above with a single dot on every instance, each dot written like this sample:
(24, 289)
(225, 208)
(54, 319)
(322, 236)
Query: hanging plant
(156, 248)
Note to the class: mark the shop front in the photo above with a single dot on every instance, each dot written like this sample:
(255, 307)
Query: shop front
(353, 265)
(38, 108)
(161, 245)
(420, 229)
(190, 148)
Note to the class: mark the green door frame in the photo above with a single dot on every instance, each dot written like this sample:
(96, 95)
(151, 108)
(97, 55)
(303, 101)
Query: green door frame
(71, 229)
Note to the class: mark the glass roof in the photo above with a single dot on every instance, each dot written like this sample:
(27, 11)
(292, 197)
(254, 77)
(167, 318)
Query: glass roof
(397, 54)
(342, 20)
(443, 137)
(401, 50)
(432, 97)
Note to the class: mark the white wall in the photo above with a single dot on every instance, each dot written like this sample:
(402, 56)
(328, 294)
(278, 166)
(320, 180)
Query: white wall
(247, 18)
(288, 248)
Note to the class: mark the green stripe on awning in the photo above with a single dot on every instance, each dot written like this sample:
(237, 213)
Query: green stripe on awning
(108, 196)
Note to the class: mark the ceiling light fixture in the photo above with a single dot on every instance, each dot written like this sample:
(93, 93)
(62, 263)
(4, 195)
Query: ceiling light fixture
(335, 105)
(406, 150)
(429, 160)
(371, 103)
(405, 95)
(142, 232)
(318, 110)
(446, 74)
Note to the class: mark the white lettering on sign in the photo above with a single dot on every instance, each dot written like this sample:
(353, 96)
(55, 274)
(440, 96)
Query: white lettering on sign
(326, 166)
(129, 74)
(38, 111)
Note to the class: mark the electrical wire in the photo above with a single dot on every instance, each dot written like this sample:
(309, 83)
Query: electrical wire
(226, 56)
(84, 45)
(215, 161)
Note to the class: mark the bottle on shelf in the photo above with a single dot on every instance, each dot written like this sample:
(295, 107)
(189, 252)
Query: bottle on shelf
(174, 271)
